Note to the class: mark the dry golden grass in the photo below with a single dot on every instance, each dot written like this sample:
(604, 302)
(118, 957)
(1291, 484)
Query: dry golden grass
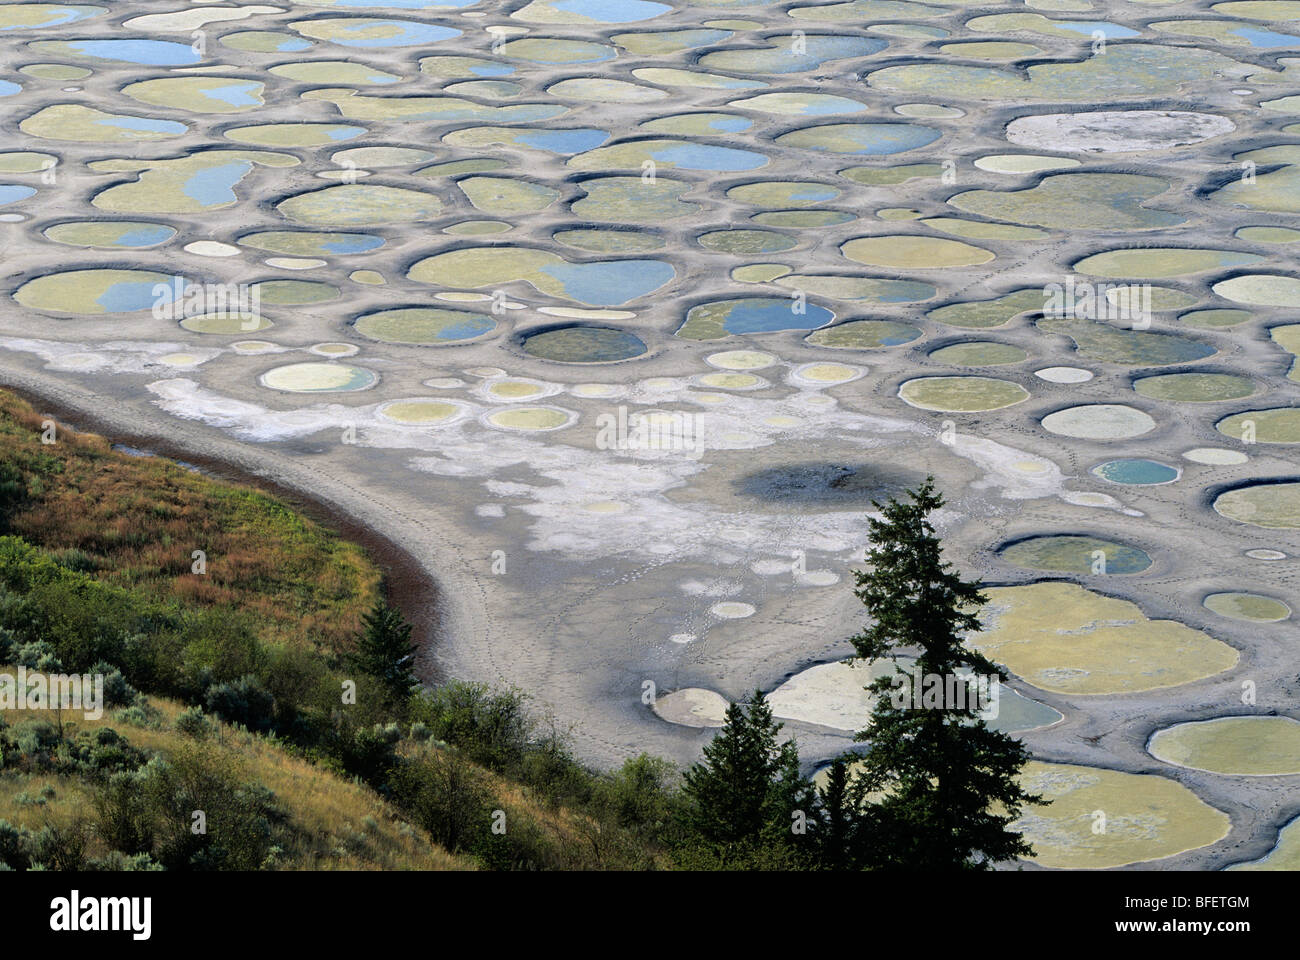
(335, 824)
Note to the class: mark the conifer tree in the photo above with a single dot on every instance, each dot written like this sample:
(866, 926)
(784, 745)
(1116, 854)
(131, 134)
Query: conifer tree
(938, 785)
(385, 651)
(841, 820)
(746, 793)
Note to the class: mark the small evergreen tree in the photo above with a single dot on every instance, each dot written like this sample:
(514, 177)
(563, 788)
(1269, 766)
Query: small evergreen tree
(943, 785)
(842, 824)
(746, 793)
(385, 651)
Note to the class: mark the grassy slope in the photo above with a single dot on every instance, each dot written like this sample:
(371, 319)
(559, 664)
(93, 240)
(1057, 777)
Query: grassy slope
(334, 823)
(138, 520)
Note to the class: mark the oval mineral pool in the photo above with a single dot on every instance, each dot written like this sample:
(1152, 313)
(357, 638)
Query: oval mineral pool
(584, 344)
(149, 53)
(423, 325)
(319, 378)
(1074, 553)
(1260, 289)
(738, 242)
(306, 244)
(914, 252)
(783, 194)
(1234, 746)
(420, 412)
(1264, 554)
(96, 291)
(334, 350)
(979, 353)
(834, 695)
(871, 139)
(1099, 421)
(1279, 425)
(1273, 505)
(1195, 387)
(731, 381)
(515, 389)
(1064, 638)
(1149, 817)
(961, 394)
(530, 418)
(740, 360)
(228, 322)
(108, 234)
(255, 346)
(1215, 456)
(1250, 607)
(1064, 374)
(1136, 471)
(826, 374)
(732, 610)
(360, 204)
(692, 706)
(799, 219)
(370, 34)
(712, 321)
(1214, 319)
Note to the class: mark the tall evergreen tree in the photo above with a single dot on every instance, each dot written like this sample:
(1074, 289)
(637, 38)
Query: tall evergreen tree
(745, 795)
(940, 786)
(385, 651)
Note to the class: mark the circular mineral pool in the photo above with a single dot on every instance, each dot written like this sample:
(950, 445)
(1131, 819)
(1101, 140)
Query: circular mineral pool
(731, 381)
(1247, 606)
(827, 374)
(334, 350)
(319, 378)
(1195, 387)
(530, 418)
(423, 325)
(692, 707)
(226, 323)
(1136, 471)
(979, 353)
(1064, 374)
(1279, 425)
(254, 346)
(1075, 554)
(740, 360)
(1099, 421)
(1233, 746)
(732, 610)
(420, 412)
(1273, 505)
(962, 394)
(1215, 456)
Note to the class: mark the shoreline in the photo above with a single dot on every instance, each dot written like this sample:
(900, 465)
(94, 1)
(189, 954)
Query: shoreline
(405, 584)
